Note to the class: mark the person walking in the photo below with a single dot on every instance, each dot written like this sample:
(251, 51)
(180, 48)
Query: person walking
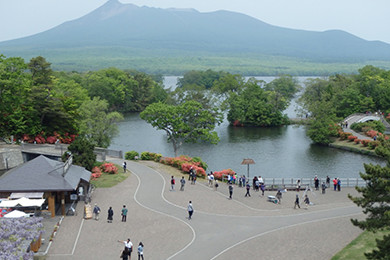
(124, 213)
(216, 184)
(338, 184)
(128, 246)
(327, 181)
(230, 191)
(125, 254)
(296, 202)
(262, 188)
(172, 183)
(124, 166)
(248, 187)
(279, 196)
(190, 210)
(96, 211)
(298, 185)
(182, 183)
(306, 201)
(335, 184)
(323, 187)
(316, 183)
(141, 250)
(110, 215)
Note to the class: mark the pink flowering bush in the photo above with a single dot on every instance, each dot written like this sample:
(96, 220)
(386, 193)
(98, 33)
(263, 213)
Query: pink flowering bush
(371, 133)
(96, 172)
(344, 135)
(351, 138)
(185, 167)
(218, 175)
(109, 168)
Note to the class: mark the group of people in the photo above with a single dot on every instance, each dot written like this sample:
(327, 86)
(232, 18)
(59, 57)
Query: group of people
(126, 253)
(110, 213)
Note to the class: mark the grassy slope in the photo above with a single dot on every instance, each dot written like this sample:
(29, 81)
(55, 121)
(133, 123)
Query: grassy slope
(364, 243)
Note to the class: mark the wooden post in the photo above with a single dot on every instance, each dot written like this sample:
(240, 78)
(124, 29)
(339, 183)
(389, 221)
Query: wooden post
(62, 203)
(51, 204)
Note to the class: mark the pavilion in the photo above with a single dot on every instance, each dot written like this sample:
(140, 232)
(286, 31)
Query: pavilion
(56, 181)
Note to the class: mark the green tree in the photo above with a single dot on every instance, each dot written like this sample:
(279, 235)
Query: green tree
(15, 86)
(186, 123)
(285, 85)
(96, 123)
(82, 151)
(254, 106)
(375, 200)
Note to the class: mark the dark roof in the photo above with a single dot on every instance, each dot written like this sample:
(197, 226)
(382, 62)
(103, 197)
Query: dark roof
(43, 174)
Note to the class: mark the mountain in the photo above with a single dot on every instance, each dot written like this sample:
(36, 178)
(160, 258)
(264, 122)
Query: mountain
(126, 32)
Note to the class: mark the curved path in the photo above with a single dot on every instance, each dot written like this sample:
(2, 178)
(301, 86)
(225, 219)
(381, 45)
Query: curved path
(220, 228)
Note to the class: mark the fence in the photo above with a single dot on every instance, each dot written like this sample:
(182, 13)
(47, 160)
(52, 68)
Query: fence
(275, 183)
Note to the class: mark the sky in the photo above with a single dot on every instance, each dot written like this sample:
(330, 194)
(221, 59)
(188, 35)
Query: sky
(367, 19)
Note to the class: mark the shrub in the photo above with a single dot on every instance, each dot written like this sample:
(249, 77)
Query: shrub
(96, 172)
(369, 125)
(373, 144)
(201, 163)
(109, 168)
(150, 156)
(344, 135)
(365, 142)
(51, 139)
(131, 155)
(351, 138)
(371, 133)
(218, 175)
(357, 141)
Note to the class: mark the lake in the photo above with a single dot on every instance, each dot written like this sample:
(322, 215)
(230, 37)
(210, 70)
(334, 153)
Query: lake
(280, 152)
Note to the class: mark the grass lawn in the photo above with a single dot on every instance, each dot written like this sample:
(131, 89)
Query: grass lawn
(364, 243)
(107, 180)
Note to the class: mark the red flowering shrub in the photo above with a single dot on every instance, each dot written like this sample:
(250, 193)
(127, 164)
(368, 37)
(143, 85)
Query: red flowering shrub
(371, 133)
(218, 175)
(51, 139)
(185, 167)
(365, 142)
(96, 172)
(357, 141)
(39, 139)
(109, 168)
(344, 135)
(351, 138)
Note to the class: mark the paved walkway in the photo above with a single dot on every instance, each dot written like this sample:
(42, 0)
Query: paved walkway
(220, 228)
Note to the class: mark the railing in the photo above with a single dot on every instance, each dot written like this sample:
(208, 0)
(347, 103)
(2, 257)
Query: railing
(274, 183)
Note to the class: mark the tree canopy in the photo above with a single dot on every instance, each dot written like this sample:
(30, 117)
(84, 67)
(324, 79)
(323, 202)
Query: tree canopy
(375, 201)
(333, 99)
(185, 123)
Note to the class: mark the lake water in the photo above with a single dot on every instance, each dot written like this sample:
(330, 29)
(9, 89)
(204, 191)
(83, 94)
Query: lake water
(280, 152)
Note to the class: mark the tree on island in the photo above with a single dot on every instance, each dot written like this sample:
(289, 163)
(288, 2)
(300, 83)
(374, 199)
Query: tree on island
(375, 201)
(186, 123)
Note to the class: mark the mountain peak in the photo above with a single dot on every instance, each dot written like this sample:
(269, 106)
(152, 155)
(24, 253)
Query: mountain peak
(113, 8)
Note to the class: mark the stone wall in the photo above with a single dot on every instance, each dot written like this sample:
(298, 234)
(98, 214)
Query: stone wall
(10, 157)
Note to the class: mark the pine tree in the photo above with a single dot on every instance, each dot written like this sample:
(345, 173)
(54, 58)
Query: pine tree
(375, 201)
